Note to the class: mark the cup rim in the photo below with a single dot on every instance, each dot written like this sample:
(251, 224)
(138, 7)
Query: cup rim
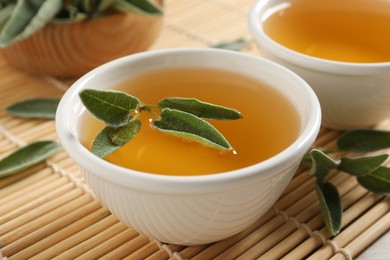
(255, 15)
(181, 184)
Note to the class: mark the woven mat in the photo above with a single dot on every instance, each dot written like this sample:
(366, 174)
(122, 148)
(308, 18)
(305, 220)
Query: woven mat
(48, 211)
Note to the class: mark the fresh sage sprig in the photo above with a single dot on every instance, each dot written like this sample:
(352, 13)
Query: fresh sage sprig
(20, 19)
(44, 108)
(27, 156)
(180, 117)
(368, 170)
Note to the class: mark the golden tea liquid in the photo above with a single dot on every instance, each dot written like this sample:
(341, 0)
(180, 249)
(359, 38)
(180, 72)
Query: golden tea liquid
(269, 124)
(340, 30)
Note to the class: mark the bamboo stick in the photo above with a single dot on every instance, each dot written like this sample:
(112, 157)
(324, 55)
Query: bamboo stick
(38, 207)
(218, 247)
(37, 132)
(95, 241)
(46, 224)
(366, 238)
(163, 253)
(35, 191)
(17, 189)
(19, 179)
(76, 221)
(6, 146)
(143, 252)
(291, 205)
(351, 214)
(344, 184)
(69, 241)
(135, 241)
(354, 230)
(190, 251)
(294, 239)
(22, 126)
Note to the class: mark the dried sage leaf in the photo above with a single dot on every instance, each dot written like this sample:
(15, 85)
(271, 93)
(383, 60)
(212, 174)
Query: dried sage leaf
(363, 165)
(102, 145)
(188, 126)
(377, 181)
(122, 135)
(234, 45)
(141, 7)
(364, 140)
(35, 108)
(330, 204)
(200, 108)
(27, 156)
(322, 164)
(28, 17)
(112, 107)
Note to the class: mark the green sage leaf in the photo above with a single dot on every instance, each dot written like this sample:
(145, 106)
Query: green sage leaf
(112, 107)
(27, 156)
(35, 108)
(102, 145)
(5, 14)
(234, 45)
(363, 165)
(377, 181)
(191, 127)
(322, 164)
(28, 17)
(142, 7)
(122, 135)
(200, 108)
(330, 204)
(105, 4)
(364, 140)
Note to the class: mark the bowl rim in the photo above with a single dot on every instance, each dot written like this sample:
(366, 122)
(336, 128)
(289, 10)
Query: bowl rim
(157, 183)
(256, 15)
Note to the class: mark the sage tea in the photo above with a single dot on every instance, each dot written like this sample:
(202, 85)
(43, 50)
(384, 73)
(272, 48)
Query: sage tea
(270, 123)
(341, 30)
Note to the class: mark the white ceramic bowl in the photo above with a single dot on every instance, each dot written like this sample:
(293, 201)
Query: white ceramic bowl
(190, 210)
(351, 94)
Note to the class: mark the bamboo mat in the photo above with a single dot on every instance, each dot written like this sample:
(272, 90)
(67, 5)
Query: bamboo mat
(48, 211)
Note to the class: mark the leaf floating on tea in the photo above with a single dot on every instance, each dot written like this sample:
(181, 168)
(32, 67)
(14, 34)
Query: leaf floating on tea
(28, 17)
(27, 156)
(191, 127)
(364, 140)
(122, 135)
(322, 164)
(235, 45)
(112, 107)
(377, 181)
(200, 108)
(102, 145)
(35, 108)
(141, 7)
(330, 206)
(120, 112)
(362, 166)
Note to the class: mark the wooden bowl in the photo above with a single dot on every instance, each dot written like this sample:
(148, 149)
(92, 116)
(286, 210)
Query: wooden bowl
(71, 49)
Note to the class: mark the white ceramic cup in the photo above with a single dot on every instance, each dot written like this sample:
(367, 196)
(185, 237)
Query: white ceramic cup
(190, 210)
(352, 95)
